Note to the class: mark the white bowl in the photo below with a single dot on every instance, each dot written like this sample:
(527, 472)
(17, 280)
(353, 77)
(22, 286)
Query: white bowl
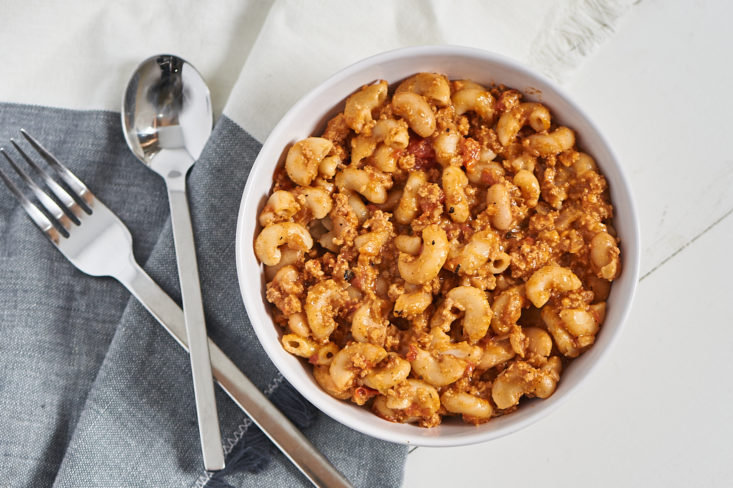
(308, 117)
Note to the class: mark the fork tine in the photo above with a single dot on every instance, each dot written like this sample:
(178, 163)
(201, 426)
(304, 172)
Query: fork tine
(80, 189)
(57, 190)
(46, 201)
(38, 218)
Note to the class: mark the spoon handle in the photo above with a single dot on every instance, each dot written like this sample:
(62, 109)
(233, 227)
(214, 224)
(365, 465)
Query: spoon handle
(193, 311)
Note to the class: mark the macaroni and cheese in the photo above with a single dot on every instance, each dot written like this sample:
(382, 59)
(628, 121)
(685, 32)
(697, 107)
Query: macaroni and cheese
(441, 249)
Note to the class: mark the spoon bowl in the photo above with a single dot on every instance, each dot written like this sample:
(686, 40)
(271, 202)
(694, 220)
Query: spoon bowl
(166, 107)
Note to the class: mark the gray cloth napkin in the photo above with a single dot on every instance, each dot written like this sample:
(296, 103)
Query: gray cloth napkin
(93, 391)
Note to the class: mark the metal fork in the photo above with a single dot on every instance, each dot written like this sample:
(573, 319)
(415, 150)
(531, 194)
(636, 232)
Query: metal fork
(96, 241)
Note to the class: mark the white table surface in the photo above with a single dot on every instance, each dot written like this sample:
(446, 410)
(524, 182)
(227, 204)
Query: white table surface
(659, 410)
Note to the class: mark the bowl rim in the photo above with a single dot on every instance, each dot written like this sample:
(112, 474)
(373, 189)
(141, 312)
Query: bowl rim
(631, 247)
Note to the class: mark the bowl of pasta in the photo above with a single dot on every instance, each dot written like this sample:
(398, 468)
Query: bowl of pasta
(436, 246)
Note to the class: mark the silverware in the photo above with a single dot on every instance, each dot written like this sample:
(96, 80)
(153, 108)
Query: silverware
(166, 119)
(96, 241)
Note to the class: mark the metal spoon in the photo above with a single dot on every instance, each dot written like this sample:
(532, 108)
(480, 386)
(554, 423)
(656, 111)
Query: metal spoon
(167, 119)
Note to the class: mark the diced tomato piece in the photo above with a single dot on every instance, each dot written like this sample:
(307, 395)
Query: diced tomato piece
(420, 148)
(412, 353)
(470, 150)
(423, 151)
(362, 394)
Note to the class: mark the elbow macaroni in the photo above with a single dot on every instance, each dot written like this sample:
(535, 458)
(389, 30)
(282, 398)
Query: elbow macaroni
(474, 304)
(498, 204)
(305, 157)
(416, 111)
(437, 250)
(267, 245)
(434, 87)
(454, 185)
(428, 263)
(359, 106)
(474, 98)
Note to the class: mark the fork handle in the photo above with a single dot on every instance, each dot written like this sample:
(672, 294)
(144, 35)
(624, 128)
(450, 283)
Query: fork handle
(245, 394)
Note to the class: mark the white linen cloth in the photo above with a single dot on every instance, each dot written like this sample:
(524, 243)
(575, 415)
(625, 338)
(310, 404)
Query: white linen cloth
(260, 56)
